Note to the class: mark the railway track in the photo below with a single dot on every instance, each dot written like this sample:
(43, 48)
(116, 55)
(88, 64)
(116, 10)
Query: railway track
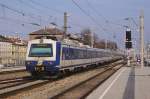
(84, 88)
(7, 83)
(11, 87)
(21, 85)
(13, 75)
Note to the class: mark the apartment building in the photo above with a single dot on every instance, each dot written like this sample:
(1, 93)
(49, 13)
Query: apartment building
(5, 52)
(12, 51)
(18, 54)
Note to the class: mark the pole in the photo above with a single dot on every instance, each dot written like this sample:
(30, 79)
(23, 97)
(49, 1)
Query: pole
(92, 39)
(106, 43)
(128, 49)
(65, 24)
(142, 38)
(128, 57)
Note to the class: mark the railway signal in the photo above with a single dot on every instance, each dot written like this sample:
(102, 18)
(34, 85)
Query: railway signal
(128, 42)
(128, 35)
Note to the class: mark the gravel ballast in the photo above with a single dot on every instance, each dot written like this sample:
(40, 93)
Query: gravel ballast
(51, 89)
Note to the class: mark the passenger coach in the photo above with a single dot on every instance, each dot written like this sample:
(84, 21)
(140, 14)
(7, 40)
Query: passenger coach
(50, 57)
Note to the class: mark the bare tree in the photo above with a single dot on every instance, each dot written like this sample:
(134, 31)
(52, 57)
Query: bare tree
(86, 36)
(86, 39)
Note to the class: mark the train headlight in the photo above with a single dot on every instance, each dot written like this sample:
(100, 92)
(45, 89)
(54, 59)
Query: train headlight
(40, 62)
(50, 63)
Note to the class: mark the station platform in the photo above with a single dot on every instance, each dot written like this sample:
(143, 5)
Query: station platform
(126, 83)
(18, 68)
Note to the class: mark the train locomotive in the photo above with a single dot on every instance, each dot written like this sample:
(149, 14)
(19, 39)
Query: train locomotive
(50, 57)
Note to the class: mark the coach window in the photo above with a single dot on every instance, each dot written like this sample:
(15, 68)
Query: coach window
(67, 53)
(63, 54)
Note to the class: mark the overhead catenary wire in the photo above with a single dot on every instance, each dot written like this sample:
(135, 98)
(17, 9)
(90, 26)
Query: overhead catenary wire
(3, 11)
(44, 6)
(99, 14)
(18, 12)
(21, 12)
(28, 4)
(134, 22)
(17, 23)
(21, 22)
(88, 15)
(58, 11)
(14, 10)
(32, 7)
(37, 9)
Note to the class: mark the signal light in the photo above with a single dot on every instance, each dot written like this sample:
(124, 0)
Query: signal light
(128, 44)
(128, 35)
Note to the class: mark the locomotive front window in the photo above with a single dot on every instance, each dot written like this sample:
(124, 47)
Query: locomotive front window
(41, 50)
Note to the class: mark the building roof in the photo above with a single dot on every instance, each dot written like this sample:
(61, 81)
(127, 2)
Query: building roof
(12, 40)
(48, 31)
(4, 39)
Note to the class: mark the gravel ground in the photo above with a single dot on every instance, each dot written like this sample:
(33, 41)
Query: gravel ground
(50, 89)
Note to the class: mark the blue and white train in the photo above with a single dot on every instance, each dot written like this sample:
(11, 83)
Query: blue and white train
(50, 57)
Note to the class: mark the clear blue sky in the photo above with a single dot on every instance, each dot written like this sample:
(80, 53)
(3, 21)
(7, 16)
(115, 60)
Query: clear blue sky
(46, 11)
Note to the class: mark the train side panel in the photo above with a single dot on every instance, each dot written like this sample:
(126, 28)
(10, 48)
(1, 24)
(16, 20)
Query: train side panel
(69, 59)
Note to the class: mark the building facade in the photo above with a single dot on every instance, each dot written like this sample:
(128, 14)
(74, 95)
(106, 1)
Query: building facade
(5, 53)
(18, 54)
(12, 52)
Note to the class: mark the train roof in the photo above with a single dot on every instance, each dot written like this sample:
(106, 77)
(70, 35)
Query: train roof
(75, 44)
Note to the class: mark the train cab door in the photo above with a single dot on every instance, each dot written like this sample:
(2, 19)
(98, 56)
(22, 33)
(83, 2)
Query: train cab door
(58, 53)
